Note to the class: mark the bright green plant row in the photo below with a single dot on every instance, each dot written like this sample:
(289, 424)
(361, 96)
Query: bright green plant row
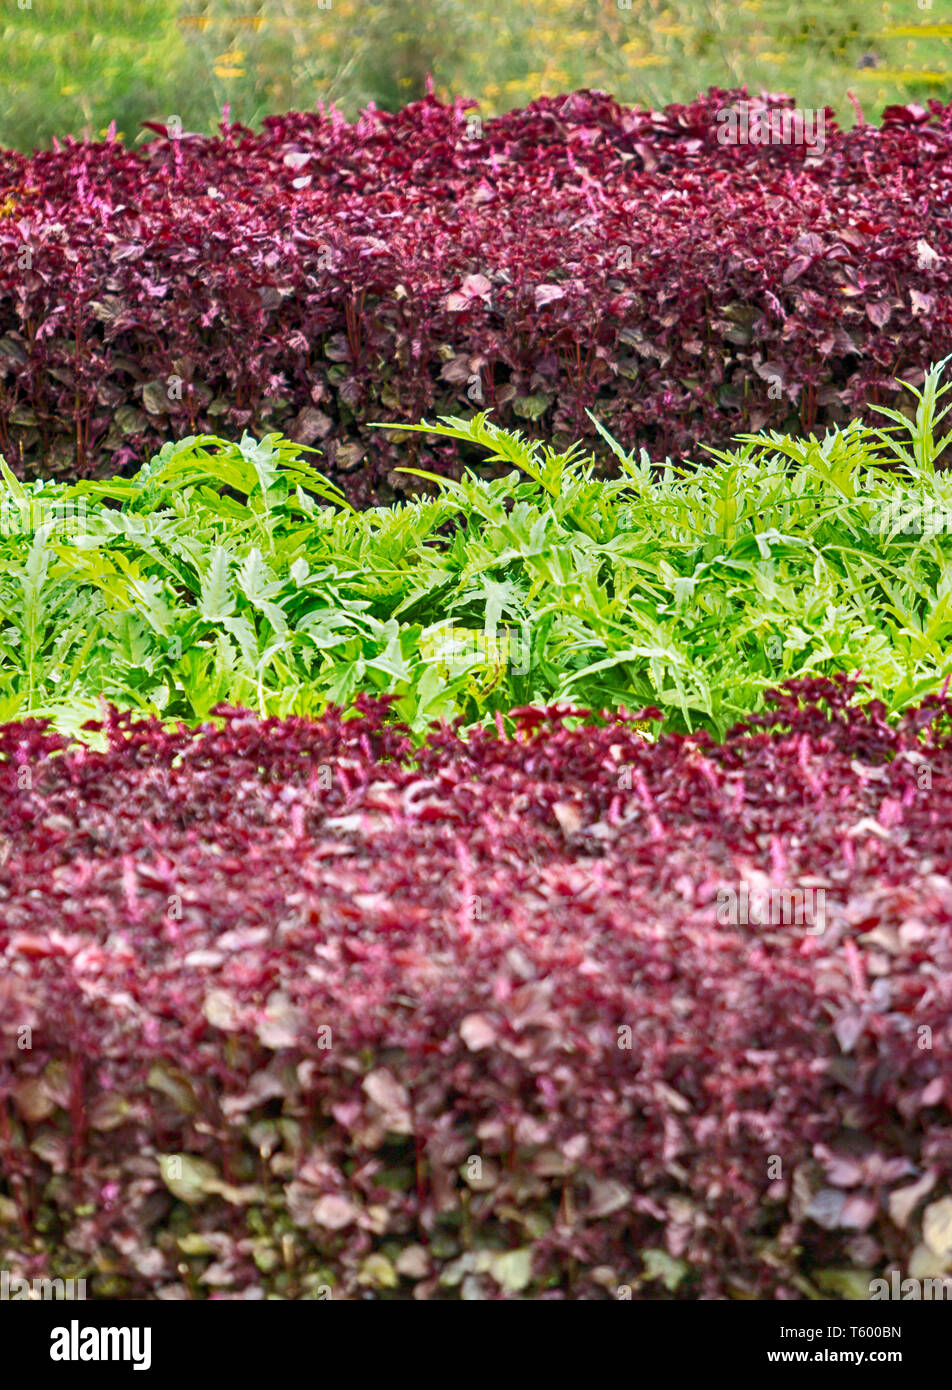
(235, 572)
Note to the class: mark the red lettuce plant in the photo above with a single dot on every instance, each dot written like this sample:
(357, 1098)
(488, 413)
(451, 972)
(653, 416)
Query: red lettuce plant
(289, 1006)
(576, 255)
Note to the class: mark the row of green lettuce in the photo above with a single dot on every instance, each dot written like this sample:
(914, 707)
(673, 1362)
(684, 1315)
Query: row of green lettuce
(233, 572)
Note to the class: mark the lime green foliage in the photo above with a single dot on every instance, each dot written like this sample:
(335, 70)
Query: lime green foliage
(235, 572)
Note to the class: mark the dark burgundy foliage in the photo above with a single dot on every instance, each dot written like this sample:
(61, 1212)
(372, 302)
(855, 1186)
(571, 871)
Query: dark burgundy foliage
(474, 922)
(319, 275)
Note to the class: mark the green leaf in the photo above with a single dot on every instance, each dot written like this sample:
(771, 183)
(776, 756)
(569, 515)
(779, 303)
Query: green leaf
(216, 601)
(512, 1271)
(189, 1178)
(530, 407)
(660, 1265)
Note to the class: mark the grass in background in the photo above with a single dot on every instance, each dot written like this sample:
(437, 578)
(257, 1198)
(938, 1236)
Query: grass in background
(72, 66)
(75, 65)
(232, 572)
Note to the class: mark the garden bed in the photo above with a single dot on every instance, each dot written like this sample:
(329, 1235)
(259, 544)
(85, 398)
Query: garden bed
(303, 1008)
(320, 275)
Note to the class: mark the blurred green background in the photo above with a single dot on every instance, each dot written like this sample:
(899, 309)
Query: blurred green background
(72, 66)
